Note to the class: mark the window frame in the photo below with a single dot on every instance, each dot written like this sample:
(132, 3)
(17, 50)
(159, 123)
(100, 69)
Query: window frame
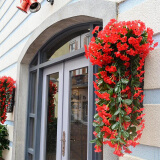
(41, 64)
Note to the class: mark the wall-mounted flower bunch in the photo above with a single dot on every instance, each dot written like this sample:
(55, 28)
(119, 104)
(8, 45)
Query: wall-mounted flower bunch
(119, 50)
(51, 105)
(7, 84)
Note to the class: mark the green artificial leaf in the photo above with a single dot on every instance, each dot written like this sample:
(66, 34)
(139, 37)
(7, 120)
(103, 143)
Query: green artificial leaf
(97, 129)
(95, 124)
(127, 101)
(98, 142)
(112, 104)
(117, 89)
(135, 82)
(133, 129)
(96, 116)
(124, 96)
(134, 72)
(115, 126)
(119, 134)
(119, 99)
(127, 118)
(125, 134)
(134, 134)
(100, 81)
(93, 141)
(122, 141)
(110, 91)
(124, 81)
(136, 102)
(117, 112)
(122, 112)
(100, 135)
(136, 122)
(113, 118)
(108, 86)
(134, 108)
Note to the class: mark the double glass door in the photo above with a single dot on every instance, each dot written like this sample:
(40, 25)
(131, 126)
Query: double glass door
(64, 122)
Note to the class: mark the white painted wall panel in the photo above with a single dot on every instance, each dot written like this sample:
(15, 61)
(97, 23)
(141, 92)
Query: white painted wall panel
(12, 55)
(151, 133)
(10, 131)
(148, 12)
(10, 71)
(5, 7)
(18, 18)
(21, 25)
(10, 116)
(152, 69)
(8, 16)
(1, 3)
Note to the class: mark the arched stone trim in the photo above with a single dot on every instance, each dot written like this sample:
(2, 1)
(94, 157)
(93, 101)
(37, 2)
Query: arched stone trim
(73, 13)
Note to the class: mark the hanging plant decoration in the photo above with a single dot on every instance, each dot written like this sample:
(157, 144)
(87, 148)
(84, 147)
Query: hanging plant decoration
(7, 84)
(119, 50)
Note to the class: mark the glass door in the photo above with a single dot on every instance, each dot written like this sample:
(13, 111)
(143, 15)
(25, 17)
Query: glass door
(75, 110)
(51, 121)
(64, 122)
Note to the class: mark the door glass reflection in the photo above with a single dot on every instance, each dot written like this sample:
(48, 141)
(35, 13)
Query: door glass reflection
(79, 114)
(52, 117)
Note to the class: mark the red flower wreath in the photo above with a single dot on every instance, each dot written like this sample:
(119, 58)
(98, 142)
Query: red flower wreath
(7, 84)
(119, 50)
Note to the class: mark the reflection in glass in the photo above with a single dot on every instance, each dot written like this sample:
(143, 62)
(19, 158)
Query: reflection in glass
(79, 114)
(31, 129)
(69, 45)
(52, 117)
(30, 156)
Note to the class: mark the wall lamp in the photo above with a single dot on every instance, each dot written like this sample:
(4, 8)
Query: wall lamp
(31, 5)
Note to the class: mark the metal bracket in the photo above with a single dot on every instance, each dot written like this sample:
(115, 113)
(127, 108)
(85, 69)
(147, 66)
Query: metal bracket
(51, 1)
(63, 143)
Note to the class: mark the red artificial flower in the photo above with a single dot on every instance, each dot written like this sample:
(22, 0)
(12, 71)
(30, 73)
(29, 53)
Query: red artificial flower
(139, 117)
(102, 95)
(111, 69)
(121, 46)
(97, 148)
(95, 29)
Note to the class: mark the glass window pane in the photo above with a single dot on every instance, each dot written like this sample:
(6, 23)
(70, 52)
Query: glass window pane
(30, 157)
(52, 117)
(34, 61)
(67, 46)
(31, 133)
(33, 92)
(79, 114)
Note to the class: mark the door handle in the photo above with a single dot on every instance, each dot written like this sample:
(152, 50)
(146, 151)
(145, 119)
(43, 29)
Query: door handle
(63, 143)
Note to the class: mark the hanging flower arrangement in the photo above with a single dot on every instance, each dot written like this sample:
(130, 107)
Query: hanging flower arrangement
(7, 84)
(119, 50)
(51, 105)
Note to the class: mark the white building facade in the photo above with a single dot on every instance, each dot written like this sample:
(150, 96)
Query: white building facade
(48, 46)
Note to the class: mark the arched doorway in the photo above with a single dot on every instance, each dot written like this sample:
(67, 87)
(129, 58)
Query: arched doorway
(60, 109)
(70, 15)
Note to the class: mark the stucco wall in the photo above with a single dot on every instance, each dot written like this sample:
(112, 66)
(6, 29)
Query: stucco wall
(148, 11)
(17, 32)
